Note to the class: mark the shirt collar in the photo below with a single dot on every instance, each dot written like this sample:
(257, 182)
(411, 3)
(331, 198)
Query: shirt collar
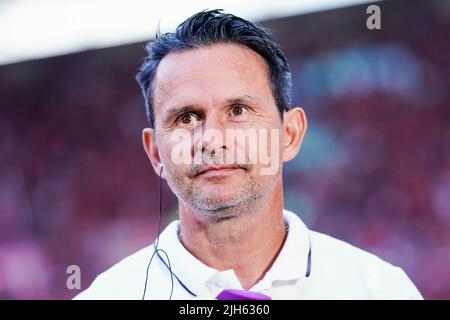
(187, 268)
(291, 263)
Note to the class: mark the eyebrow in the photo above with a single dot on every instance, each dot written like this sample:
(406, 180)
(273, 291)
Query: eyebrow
(243, 98)
(175, 112)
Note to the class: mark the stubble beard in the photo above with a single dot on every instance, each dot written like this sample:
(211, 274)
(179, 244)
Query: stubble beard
(220, 207)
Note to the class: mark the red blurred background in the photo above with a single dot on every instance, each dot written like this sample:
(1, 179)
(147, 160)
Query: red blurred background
(374, 170)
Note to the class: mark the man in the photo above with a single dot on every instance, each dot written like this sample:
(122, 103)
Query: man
(219, 76)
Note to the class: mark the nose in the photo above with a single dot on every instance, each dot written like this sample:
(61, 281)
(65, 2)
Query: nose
(212, 135)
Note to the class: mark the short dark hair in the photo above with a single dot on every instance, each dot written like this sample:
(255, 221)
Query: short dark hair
(212, 27)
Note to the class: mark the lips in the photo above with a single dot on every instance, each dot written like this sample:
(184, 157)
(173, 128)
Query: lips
(218, 169)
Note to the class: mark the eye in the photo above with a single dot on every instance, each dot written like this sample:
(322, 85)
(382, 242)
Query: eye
(238, 110)
(187, 118)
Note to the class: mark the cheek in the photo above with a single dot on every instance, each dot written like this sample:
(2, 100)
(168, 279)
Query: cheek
(175, 176)
(176, 148)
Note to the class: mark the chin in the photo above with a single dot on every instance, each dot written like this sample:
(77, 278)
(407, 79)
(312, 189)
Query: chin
(216, 204)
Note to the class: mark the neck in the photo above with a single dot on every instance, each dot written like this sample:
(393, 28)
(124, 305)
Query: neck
(248, 243)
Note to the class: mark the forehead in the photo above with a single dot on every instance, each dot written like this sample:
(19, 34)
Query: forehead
(210, 73)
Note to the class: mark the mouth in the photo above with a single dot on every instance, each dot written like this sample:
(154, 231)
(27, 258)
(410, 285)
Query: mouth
(218, 170)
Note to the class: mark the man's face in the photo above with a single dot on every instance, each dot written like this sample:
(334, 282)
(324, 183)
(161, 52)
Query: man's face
(201, 97)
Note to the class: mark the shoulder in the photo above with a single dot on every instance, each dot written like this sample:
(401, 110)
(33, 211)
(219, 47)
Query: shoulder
(330, 248)
(124, 280)
(359, 270)
(127, 278)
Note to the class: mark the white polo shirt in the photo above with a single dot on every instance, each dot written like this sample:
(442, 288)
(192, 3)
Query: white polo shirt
(310, 265)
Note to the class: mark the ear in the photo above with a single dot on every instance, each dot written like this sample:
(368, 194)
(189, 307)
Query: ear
(294, 126)
(151, 149)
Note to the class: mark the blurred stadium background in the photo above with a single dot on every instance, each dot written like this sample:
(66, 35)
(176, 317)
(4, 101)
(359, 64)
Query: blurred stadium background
(76, 187)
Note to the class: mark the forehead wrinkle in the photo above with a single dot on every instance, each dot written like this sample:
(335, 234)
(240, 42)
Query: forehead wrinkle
(231, 58)
(165, 91)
